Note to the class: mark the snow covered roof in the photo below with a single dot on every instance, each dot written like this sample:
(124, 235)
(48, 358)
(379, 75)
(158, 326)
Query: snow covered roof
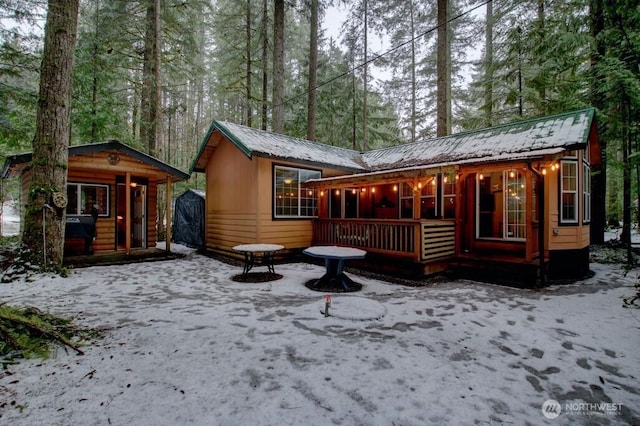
(521, 139)
(525, 139)
(256, 142)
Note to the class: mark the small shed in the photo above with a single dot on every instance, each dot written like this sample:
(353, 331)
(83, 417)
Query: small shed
(188, 219)
(112, 190)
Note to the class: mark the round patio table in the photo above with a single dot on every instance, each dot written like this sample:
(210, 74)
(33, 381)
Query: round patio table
(334, 280)
(252, 253)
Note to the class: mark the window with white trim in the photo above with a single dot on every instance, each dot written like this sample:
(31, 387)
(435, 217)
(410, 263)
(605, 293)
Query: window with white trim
(515, 203)
(501, 210)
(448, 196)
(406, 201)
(586, 193)
(290, 199)
(568, 191)
(429, 199)
(84, 197)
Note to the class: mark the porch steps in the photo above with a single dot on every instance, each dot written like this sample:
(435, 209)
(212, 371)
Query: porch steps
(512, 272)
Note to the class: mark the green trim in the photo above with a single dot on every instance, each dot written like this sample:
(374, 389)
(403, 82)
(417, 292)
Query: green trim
(227, 133)
(216, 126)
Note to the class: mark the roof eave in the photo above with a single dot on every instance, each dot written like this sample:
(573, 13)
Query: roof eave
(533, 156)
(318, 164)
(217, 127)
(176, 174)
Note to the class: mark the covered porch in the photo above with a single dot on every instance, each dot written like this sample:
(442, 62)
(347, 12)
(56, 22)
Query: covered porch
(440, 218)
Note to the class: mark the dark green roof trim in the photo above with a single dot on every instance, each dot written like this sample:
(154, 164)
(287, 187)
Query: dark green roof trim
(203, 145)
(245, 150)
(216, 126)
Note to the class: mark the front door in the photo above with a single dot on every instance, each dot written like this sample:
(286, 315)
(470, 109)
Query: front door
(137, 216)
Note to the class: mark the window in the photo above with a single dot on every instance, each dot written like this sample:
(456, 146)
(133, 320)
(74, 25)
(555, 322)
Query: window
(448, 197)
(586, 193)
(569, 192)
(501, 206)
(291, 200)
(406, 201)
(429, 199)
(515, 213)
(83, 197)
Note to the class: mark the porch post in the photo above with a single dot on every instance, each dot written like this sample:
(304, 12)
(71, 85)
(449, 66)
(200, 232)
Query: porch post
(416, 202)
(528, 247)
(168, 210)
(127, 213)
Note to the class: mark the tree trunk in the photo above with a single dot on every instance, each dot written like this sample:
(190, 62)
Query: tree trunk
(625, 237)
(413, 75)
(151, 90)
(542, 92)
(443, 98)
(599, 180)
(248, 108)
(488, 67)
(365, 133)
(265, 63)
(94, 80)
(313, 73)
(278, 67)
(51, 140)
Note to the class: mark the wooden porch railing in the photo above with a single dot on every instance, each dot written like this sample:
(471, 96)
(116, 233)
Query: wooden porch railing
(421, 240)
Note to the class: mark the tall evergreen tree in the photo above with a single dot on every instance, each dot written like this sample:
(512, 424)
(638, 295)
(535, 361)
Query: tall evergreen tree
(312, 101)
(278, 97)
(43, 235)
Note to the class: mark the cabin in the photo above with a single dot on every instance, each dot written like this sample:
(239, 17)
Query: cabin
(508, 201)
(112, 195)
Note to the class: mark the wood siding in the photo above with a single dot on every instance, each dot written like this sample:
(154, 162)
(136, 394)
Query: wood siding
(561, 236)
(239, 202)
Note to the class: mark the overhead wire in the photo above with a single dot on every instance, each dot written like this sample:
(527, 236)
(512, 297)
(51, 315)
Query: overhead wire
(376, 57)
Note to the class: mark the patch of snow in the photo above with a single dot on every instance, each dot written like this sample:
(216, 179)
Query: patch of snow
(185, 344)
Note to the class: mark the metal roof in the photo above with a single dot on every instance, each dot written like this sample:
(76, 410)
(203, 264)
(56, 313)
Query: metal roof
(15, 160)
(254, 142)
(519, 139)
(524, 139)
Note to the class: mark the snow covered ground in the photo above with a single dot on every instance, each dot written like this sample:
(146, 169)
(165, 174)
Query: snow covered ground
(184, 344)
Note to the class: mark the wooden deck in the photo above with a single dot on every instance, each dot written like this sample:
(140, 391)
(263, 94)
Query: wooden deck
(112, 257)
(508, 270)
